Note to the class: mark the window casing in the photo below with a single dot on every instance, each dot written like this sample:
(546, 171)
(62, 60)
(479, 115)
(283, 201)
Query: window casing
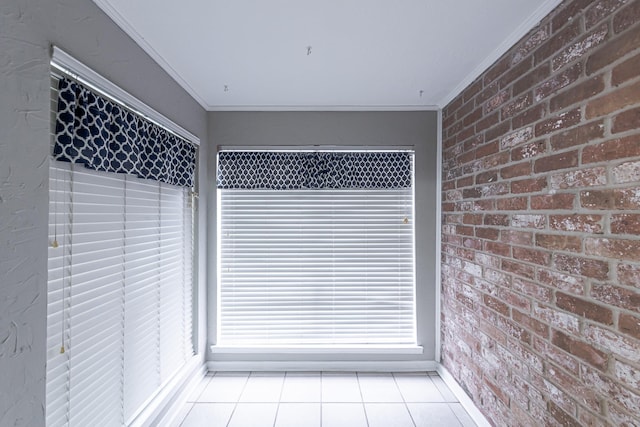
(325, 267)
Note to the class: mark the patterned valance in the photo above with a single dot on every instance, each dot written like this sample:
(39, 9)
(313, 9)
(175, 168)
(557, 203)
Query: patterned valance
(270, 170)
(104, 136)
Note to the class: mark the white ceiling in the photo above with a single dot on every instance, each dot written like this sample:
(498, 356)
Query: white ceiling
(325, 54)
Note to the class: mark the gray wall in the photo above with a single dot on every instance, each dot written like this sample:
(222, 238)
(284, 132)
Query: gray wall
(417, 129)
(27, 29)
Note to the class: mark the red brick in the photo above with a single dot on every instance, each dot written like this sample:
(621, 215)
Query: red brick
(613, 248)
(552, 353)
(529, 43)
(518, 268)
(595, 269)
(472, 90)
(625, 224)
(627, 17)
(558, 40)
(562, 417)
(487, 149)
(613, 342)
(496, 70)
(464, 182)
(613, 50)
(473, 117)
(498, 130)
(448, 185)
(557, 242)
(487, 121)
(552, 202)
(560, 121)
(611, 199)
(581, 47)
(515, 170)
(578, 135)
(582, 223)
(562, 281)
(516, 72)
(617, 296)
(628, 120)
(612, 150)
(496, 219)
(530, 323)
(473, 219)
(472, 244)
(580, 349)
(557, 81)
(496, 101)
(615, 100)
(528, 221)
(487, 233)
(584, 308)
(629, 325)
(516, 106)
(601, 10)
(531, 255)
(528, 151)
(471, 193)
(557, 319)
(515, 237)
(486, 177)
(629, 275)
(532, 289)
(486, 93)
(529, 116)
(531, 79)
(497, 248)
(579, 178)
(564, 160)
(512, 204)
(532, 185)
(569, 13)
(578, 93)
(496, 305)
(626, 71)
(516, 138)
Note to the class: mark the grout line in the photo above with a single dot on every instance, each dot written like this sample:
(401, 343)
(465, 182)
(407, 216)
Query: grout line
(235, 406)
(403, 399)
(364, 408)
(321, 397)
(284, 378)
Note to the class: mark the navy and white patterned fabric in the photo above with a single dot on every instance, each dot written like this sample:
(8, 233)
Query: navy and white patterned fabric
(105, 136)
(272, 170)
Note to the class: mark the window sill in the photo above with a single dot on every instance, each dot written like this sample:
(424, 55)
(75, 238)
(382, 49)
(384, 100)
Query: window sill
(368, 349)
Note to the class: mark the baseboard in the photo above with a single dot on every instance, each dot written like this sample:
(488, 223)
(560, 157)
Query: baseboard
(462, 397)
(324, 365)
(168, 403)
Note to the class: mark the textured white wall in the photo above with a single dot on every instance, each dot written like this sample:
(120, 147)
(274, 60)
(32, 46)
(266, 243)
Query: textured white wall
(27, 29)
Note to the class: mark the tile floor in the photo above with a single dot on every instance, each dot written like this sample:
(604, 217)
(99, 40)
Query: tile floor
(327, 399)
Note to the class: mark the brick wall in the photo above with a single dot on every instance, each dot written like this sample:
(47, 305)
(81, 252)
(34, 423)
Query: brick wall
(541, 224)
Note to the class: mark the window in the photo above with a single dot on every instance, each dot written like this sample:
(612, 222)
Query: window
(119, 311)
(315, 249)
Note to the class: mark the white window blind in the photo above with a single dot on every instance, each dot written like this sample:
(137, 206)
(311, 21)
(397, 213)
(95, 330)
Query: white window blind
(119, 311)
(328, 267)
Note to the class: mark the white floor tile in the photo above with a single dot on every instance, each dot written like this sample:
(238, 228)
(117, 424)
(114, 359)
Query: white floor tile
(433, 415)
(462, 415)
(341, 387)
(343, 415)
(418, 389)
(444, 390)
(298, 415)
(388, 415)
(224, 388)
(209, 415)
(262, 388)
(254, 415)
(379, 388)
(299, 388)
